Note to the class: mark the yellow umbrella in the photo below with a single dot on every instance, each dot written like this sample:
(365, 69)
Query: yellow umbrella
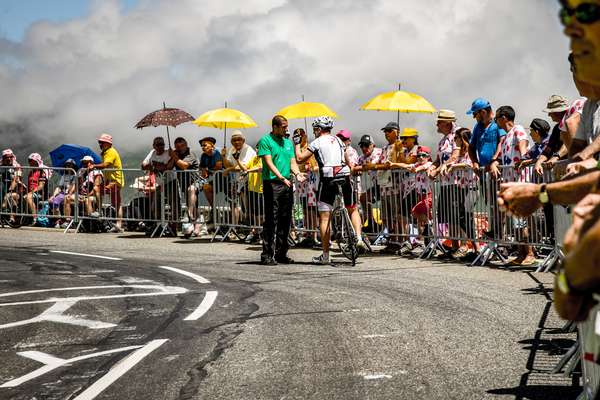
(306, 109)
(399, 101)
(223, 118)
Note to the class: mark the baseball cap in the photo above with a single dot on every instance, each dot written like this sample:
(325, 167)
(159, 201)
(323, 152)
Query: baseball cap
(70, 161)
(7, 153)
(478, 104)
(424, 149)
(208, 139)
(409, 132)
(87, 158)
(391, 125)
(344, 134)
(366, 140)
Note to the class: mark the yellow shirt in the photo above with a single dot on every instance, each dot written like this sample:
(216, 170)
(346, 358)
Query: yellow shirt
(112, 158)
(255, 182)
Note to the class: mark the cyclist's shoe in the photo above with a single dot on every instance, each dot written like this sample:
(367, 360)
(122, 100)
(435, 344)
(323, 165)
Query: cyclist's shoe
(321, 260)
(362, 247)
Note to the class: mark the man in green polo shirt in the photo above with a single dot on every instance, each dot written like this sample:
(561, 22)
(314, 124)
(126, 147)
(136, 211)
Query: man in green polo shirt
(279, 164)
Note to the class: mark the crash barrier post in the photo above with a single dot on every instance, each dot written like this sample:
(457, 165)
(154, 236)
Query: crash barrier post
(238, 205)
(305, 213)
(46, 197)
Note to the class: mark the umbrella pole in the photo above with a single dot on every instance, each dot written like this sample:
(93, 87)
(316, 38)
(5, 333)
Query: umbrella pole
(168, 137)
(305, 124)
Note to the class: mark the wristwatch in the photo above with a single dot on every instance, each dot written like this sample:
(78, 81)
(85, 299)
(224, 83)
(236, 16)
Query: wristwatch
(543, 196)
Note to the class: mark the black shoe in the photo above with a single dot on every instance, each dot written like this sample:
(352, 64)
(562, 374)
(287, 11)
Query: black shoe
(268, 261)
(284, 260)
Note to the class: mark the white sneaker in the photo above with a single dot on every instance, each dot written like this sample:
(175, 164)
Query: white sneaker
(321, 260)
(362, 246)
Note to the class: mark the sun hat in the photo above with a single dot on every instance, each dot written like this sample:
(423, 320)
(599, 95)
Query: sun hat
(87, 158)
(478, 104)
(237, 134)
(208, 139)
(366, 140)
(7, 153)
(390, 126)
(556, 103)
(344, 134)
(446, 115)
(106, 138)
(409, 132)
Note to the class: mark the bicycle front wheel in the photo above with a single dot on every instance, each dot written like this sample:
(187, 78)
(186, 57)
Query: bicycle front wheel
(345, 235)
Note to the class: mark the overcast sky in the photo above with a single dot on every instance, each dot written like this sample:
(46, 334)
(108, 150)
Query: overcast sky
(104, 68)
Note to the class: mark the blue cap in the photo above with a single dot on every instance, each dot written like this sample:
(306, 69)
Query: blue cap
(478, 104)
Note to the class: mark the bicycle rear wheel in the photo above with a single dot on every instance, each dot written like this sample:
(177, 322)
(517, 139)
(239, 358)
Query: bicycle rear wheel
(344, 234)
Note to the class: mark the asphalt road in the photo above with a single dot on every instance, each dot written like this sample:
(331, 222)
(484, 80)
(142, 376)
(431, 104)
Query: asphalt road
(389, 328)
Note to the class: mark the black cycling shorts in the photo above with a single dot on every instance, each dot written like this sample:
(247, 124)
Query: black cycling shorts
(328, 189)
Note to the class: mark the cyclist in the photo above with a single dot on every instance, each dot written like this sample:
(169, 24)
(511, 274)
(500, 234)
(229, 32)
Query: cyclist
(334, 166)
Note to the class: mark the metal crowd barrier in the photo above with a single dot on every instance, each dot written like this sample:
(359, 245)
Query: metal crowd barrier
(40, 196)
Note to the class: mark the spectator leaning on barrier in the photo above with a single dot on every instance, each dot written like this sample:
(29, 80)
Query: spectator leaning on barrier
(484, 147)
(515, 146)
(37, 184)
(113, 178)
(65, 188)
(279, 163)
(11, 177)
(158, 158)
(369, 158)
(88, 179)
(252, 201)
(187, 166)
(447, 154)
(555, 149)
(210, 162)
(539, 131)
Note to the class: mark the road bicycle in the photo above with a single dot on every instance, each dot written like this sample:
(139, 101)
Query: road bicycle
(341, 227)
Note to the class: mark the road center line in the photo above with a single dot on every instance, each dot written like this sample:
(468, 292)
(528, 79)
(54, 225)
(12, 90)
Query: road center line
(195, 277)
(207, 302)
(119, 370)
(86, 255)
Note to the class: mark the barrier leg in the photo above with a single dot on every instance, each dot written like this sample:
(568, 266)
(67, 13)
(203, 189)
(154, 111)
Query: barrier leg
(573, 352)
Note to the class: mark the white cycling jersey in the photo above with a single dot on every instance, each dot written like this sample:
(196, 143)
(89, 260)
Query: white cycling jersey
(329, 152)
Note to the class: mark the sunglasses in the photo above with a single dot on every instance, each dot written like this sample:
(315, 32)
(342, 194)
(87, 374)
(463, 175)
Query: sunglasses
(423, 155)
(585, 13)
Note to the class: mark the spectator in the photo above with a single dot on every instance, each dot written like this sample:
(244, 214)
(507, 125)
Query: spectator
(113, 180)
(240, 155)
(279, 163)
(66, 187)
(158, 159)
(460, 173)
(371, 156)
(182, 159)
(487, 137)
(556, 148)
(306, 193)
(252, 197)
(37, 184)
(88, 179)
(12, 185)
(514, 148)
(447, 154)
(538, 130)
(484, 147)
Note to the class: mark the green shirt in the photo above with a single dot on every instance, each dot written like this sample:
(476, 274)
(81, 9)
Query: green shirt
(281, 151)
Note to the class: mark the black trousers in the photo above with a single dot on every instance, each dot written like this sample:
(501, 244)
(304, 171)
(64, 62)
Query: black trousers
(279, 200)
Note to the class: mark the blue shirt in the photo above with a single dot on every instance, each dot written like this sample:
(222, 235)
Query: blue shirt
(485, 141)
(209, 162)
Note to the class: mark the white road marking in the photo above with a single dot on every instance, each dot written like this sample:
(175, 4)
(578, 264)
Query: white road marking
(160, 291)
(119, 370)
(376, 376)
(86, 255)
(205, 305)
(51, 363)
(195, 277)
(56, 314)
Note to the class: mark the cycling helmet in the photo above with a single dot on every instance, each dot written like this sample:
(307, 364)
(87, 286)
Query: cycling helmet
(323, 123)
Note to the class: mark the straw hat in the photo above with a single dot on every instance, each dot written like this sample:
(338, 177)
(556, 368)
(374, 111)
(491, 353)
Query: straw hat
(446, 115)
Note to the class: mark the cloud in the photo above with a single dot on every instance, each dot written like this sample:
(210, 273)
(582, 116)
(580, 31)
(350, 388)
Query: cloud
(70, 81)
